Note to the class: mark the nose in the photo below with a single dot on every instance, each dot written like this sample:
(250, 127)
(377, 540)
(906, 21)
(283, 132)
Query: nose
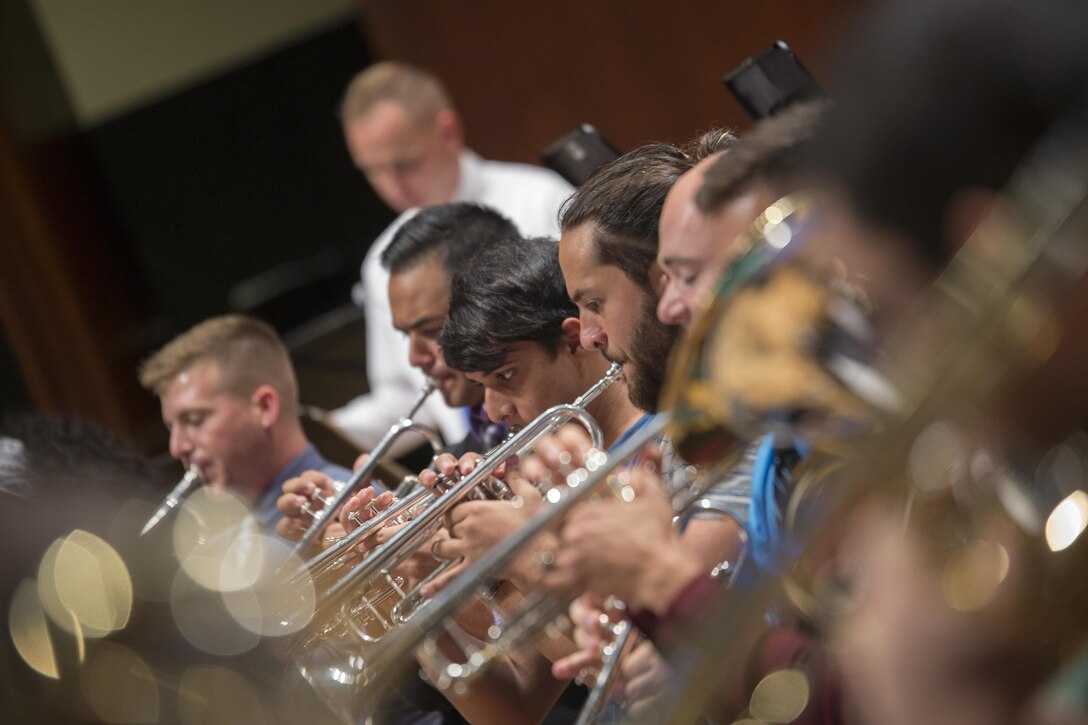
(421, 353)
(180, 443)
(499, 407)
(391, 188)
(671, 309)
(592, 336)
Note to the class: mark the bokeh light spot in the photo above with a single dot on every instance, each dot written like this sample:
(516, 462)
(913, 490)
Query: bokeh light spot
(203, 619)
(30, 632)
(93, 583)
(273, 607)
(780, 697)
(119, 686)
(973, 574)
(209, 526)
(210, 695)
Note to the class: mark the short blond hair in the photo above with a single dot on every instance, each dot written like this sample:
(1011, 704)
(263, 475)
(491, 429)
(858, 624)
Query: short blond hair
(420, 93)
(249, 354)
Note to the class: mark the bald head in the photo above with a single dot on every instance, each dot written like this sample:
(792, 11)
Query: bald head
(693, 246)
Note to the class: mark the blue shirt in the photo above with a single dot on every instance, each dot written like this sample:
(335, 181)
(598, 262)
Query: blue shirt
(266, 512)
(635, 427)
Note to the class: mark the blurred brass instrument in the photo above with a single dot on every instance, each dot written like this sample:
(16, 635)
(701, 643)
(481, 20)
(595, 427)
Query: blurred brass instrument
(988, 315)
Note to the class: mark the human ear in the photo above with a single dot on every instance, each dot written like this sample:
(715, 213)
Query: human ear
(266, 402)
(449, 126)
(572, 330)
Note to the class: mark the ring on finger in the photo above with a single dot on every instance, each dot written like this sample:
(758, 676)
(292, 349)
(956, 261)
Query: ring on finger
(434, 554)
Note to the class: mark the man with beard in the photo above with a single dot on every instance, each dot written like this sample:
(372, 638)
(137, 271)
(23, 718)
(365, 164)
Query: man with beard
(705, 222)
(608, 251)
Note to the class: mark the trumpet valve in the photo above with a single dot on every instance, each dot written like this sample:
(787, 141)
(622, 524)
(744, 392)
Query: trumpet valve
(497, 489)
(443, 483)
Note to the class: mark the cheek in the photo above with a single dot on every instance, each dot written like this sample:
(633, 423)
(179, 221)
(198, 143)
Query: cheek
(696, 293)
(621, 328)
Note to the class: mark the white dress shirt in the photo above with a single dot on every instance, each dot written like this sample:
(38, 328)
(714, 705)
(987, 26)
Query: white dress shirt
(530, 197)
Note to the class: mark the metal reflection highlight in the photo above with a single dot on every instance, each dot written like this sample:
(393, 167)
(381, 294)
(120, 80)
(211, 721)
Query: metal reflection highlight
(1067, 521)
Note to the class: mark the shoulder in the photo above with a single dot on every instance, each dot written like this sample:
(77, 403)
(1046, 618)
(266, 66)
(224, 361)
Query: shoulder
(382, 241)
(334, 471)
(540, 179)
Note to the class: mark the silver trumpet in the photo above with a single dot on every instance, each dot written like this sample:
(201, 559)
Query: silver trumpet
(593, 708)
(366, 472)
(404, 543)
(188, 483)
(539, 612)
(339, 669)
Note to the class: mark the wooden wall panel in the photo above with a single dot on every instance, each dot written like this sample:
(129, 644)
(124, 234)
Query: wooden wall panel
(524, 73)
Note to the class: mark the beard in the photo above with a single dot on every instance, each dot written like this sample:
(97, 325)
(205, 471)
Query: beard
(649, 357)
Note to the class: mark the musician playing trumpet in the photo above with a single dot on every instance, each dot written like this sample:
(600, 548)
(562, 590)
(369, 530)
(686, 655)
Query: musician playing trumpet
(230, 401)
(421, 259)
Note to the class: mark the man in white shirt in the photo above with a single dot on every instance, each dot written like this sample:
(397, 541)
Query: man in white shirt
(403, 133)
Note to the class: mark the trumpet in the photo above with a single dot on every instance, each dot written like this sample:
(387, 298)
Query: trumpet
(342, 493)
(423, 628)
(188, 483)
(404, 543)
(327, 670)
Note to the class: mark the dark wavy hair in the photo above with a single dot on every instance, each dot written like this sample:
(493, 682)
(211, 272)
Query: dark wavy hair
(623, 200)
(449, 233)
(512, 290)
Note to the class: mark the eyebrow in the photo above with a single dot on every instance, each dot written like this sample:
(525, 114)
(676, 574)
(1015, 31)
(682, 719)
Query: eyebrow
(674, 260)
(415, 324)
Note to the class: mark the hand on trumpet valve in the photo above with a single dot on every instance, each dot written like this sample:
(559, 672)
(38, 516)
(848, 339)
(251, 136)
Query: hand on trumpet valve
(626, 548)
(449, 469)
(556, 456)
(360, 508)
(476, 526)
(301, 498)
